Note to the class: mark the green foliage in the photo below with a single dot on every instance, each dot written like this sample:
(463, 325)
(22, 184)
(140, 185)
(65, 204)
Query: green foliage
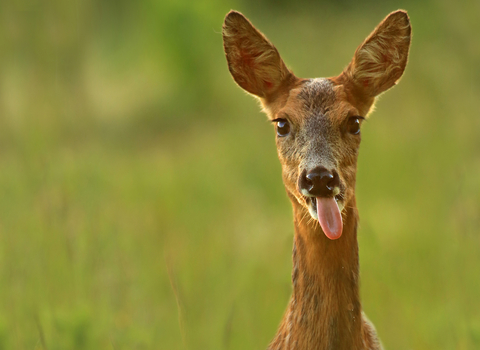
(141, 201)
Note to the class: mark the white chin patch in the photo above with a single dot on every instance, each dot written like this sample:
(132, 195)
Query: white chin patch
(340, 204)
(312, 211)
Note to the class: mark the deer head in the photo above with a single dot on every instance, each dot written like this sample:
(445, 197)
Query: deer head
(318, 121)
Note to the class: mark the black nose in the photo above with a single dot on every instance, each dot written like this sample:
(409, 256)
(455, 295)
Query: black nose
(319, 182)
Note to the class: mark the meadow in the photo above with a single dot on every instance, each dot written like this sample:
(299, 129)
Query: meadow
(141, 201)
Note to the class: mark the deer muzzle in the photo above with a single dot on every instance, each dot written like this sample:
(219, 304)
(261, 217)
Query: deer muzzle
(322, 189)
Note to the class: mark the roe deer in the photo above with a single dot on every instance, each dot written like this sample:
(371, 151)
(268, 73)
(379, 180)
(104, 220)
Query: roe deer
(318, 124)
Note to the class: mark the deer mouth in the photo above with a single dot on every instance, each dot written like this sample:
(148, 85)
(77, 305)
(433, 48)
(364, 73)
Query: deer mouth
(312, 205)
(328, 212)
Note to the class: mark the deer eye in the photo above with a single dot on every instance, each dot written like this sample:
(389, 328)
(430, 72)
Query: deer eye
(353, 125)
(283, 127)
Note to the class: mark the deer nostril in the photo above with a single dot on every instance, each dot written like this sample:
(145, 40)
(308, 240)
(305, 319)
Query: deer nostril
(319, 182)
(319, 179)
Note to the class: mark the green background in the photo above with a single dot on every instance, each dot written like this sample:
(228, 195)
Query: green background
(128, 155)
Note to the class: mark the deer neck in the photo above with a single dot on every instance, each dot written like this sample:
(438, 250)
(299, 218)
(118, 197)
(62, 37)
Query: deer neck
(324, 310)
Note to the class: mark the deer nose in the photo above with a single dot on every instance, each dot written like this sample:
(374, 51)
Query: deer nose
(319, 182)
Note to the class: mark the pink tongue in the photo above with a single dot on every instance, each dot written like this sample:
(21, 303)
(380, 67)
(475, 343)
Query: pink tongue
(329, 217)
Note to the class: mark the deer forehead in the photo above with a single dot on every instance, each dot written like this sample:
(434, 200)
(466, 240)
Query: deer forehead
(317, 95)
(317, 106)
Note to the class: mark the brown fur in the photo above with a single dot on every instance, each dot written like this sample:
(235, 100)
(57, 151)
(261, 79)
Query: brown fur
(324, 311)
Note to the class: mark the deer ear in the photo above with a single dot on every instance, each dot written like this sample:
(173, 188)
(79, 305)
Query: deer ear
(379, 62)
(253, 61)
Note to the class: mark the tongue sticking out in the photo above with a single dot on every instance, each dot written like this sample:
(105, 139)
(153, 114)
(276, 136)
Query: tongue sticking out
(329, 217)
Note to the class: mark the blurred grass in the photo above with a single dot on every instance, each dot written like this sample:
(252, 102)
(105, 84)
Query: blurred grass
(125, 147)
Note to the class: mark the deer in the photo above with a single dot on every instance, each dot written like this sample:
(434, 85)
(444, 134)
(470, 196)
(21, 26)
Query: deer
(318, 123)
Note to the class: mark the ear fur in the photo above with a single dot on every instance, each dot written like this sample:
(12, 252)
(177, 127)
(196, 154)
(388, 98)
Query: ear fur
(253, 61)
(380, 60)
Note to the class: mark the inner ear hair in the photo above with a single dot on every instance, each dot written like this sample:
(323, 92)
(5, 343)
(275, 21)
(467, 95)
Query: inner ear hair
(253, 60)
(379, 62)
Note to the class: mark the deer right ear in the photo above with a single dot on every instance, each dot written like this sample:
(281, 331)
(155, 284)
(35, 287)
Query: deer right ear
(253, 61)
(380, 61)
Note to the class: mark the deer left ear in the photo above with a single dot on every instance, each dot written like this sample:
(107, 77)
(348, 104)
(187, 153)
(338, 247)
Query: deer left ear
(379, 62)
(253, 61)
